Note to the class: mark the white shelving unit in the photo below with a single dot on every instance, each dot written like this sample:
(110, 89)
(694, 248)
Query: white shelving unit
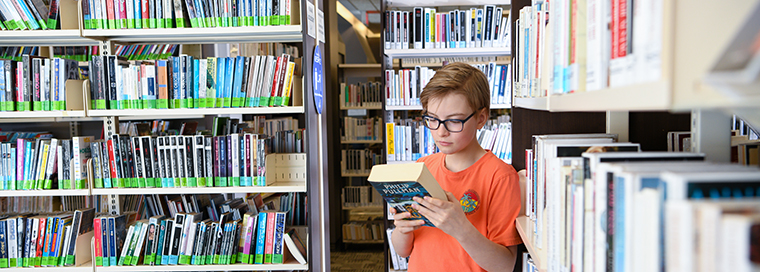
(59, 37)
(195, 112)
(230, 267)
(59, 192)
(251, 34)
(310, 179)
(524, 229)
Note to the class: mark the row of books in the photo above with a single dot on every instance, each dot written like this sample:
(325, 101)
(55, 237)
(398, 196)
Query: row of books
(29, 14)
(585, 187)
(399, 263)
(180, 161)
(114, 14)
(359, 161)
(361, 129)
(611, 44)
(15, 52)
(42, 240)
(28, 204)
(12, 136)
(77, 53)
(364, 94)
(35, 83)
(185, 239)
(145, 51)
(408, 140)
(439, 61)
(72, 203)
(34, 164)
(185, 82)
(363, 231)
(426, 28)
(496, 136)
(361, 196)
(264, 49)
(403, 88)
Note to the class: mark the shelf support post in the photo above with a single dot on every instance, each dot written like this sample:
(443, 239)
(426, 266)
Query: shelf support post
(617, 123)
(110, 128)
(711, 134)
(106, 48)
(73, 129)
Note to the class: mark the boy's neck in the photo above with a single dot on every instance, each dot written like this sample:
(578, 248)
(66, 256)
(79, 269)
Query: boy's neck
(465, 158)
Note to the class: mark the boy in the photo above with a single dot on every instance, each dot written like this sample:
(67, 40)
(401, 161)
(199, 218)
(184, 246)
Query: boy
(475, 227)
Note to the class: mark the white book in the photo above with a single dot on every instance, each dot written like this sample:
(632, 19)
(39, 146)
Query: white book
(397, 100)
(202, 80)
(234, 150)
(127, 241)
(408, 136)
(51, 160)
(140, 240)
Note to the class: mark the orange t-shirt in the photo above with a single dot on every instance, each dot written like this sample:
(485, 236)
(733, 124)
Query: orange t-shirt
(489, 192)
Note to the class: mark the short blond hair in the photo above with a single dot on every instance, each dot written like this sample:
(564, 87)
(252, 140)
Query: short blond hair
(459, 78)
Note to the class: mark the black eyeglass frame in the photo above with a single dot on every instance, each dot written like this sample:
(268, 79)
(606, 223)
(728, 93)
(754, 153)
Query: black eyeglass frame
(424, 116)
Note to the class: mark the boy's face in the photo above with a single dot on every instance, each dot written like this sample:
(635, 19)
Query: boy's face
(454, 106)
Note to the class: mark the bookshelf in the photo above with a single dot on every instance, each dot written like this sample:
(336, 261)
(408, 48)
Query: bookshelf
(311, 179)
(358, 77)
(447, 52)
(684, 86)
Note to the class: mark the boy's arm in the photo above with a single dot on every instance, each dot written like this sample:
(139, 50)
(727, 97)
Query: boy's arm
(449, 217)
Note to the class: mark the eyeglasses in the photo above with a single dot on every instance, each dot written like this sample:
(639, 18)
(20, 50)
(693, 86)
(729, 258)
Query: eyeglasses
(452, 125)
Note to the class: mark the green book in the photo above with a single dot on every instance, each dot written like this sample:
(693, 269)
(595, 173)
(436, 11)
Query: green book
(235, 181)
(184, 259)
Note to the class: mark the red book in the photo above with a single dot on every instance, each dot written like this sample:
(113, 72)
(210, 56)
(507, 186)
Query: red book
(276, 77)
(123, 12)
(269, 242)
(145, 11)
(614, 29)
(98, 242)
(112, 162)
(622, 26)
(110, 13)
(41, 237)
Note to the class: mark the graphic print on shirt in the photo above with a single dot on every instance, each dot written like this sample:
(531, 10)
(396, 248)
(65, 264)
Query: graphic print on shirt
(470, 201)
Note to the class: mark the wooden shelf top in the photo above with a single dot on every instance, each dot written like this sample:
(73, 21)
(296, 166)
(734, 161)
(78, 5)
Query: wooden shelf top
(526, 233)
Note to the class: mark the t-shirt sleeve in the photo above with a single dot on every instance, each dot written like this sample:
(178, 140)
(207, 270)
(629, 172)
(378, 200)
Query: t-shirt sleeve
(504, 208)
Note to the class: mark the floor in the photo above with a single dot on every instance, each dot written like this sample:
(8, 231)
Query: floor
(357, 261)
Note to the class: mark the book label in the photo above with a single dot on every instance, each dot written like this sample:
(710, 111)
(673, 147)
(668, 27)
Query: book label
(163, 103)
(192, 182)
(150, 182)
(234, 181)
(184, 259)
(24, 106)
(69, 260)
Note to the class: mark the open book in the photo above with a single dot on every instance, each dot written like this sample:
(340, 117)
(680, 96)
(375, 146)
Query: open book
(399, 183)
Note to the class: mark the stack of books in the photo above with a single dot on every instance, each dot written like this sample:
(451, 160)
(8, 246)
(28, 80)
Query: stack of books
(35, 83)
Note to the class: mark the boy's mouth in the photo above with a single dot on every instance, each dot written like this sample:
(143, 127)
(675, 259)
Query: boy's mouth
(442, 143)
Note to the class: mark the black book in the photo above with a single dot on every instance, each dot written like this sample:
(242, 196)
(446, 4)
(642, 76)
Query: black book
(497, 24)
(27, 230)
(388, 28)
(124, 148)
(172, 155)
(210, 239)
(104, 161)
(209, 159)
(36, 12)
(418, 31)
(179, 221)
(35, 81)
(66, 166)
(168, 237)
(488, 26)
(181, 170)
(147, 157)
(116, 156)
(453, 29)
(246, 72)
(223, 156)
(137, 157)
(199, 156)
(111, 77)
(275, 11)
(154, 158)
(189, 157)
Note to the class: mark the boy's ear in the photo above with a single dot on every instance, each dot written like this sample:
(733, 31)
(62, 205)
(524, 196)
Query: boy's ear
(482, 118)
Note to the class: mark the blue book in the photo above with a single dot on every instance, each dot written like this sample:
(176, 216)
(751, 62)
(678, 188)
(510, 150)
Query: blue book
(112, 241)
(237, 92)
(161, 238)
(277, 254)
(228, 92)
(187, 76)
(104, 241)
(220, 72)
(32, 21)
(151, 99)
(196, 82)
(27, 165)
(261, 238)
(167, 242)
(3, 245)
(175, 83)
(245, 180)
(138, 13)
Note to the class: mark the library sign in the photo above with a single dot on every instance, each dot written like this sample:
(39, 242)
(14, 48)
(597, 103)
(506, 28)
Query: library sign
(318, 76)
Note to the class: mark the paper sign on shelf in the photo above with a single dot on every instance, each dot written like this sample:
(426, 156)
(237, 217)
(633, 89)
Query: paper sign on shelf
(318, 79)
(320, 26)
(310, 18)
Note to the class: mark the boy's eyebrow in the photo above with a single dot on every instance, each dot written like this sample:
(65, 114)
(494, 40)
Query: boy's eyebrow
(447, 117)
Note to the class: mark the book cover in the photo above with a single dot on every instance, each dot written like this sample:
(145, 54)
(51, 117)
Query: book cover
(399, 183)
(260, 238)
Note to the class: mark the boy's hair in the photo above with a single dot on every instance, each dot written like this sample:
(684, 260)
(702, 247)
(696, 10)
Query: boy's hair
(459, 78)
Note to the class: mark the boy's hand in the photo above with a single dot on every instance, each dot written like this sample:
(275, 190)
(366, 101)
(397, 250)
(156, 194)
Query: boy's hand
(445, 214)
(405, 226)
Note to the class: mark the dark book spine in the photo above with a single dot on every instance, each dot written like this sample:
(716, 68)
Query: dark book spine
(189, 157)
(112, 66)
(147, 150)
